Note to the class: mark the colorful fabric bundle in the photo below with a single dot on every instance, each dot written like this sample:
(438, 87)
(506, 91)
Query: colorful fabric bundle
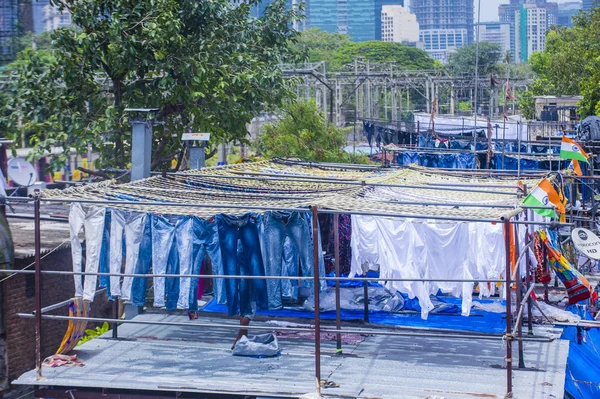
(542, 274)
(62, 360)
(578, 288)
(76, 329)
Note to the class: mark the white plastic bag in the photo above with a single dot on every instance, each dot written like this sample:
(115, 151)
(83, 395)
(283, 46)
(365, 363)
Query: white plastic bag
(263, 345)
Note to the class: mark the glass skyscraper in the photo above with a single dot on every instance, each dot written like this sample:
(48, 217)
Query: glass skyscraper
(8, 29)
(361, 19)
(589, 4)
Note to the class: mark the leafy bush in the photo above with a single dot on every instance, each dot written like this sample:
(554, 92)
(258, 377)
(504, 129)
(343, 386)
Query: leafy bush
(91, 334)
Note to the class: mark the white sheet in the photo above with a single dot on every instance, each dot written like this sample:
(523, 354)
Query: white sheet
(431, 250)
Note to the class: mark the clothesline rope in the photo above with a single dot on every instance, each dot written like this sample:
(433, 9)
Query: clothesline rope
(232, 187)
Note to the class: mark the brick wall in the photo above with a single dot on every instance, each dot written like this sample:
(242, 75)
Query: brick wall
(19, 297)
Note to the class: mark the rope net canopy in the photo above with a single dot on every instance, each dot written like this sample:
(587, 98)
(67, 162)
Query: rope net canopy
(284, 184)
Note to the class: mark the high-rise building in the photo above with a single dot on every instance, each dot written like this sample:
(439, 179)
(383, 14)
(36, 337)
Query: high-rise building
(530, 33)
(494, 32)
(360, 19)
(444, 25)
(507, 12)
(399, 25)
(54, 18)
(566, 12)
(589, 4)
(9, 14)
(38, 15)
(258, 10)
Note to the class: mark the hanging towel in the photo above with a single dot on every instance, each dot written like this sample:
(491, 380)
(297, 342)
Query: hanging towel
(76, 328)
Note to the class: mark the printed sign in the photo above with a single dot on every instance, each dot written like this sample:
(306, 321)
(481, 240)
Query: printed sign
(587, 242)
(195, 136)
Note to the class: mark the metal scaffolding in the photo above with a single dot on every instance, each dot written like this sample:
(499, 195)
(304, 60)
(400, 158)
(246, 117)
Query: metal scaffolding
(384, 91)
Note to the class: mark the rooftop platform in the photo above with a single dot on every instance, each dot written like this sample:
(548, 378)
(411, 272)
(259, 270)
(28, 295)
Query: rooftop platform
(198, 360)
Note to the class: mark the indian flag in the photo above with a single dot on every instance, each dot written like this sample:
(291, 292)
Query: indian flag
(571, 150)
(545, 195)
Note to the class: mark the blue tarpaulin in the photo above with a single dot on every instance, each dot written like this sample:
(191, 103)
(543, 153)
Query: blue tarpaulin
(479, 321)
(582, 380)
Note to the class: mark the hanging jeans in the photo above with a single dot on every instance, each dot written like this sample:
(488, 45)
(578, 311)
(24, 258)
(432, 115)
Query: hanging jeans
(105, 254)
(206, 240)
(144, 263)
(130, 225)
(242, 292)
(291, 259)
(172, 243)
(277, 227)
(92, 221)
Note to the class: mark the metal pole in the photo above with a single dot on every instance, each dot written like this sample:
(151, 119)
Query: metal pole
(528, 274)
(401, 332)
(336, 252)
(366, 298)
(507, 284)
(518, 150)
(316, 288)
(115, 311)
(476, 87)
(519, 297)
(38, 286)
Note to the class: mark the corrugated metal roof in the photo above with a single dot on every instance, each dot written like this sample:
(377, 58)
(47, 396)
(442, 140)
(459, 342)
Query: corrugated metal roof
(188, 359)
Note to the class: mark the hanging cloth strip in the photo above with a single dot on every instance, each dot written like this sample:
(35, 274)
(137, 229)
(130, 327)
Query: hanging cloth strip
(578, 288)
(76, 329)
(542, 274)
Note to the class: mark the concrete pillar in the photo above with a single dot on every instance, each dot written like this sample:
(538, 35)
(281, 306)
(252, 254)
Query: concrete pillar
(141, 149)
(197, 157)
(222, 155)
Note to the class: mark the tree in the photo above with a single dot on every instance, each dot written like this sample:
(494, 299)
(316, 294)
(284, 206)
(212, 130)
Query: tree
(303, 132)
(462, 62)
(338, 51)
(568, 65)
(318, 45)
(206, 65)
(403, 56)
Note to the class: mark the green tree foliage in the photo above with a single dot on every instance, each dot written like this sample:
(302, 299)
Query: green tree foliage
(462, 62)
(303, 132)
(569, 65)
(338, 51)
(206, 65)
(403, 56)
(317, 45)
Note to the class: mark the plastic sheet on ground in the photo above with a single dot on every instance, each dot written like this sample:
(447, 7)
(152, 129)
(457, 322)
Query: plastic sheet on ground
(552, 312)
(262, 345)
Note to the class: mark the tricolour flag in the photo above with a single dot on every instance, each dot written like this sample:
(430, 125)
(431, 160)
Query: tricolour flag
(569, 149)
(545, 195)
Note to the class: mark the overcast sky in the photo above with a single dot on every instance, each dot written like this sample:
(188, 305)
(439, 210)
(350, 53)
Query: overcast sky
(489, 8)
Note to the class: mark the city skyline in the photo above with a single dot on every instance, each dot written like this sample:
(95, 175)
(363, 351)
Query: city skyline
(489, 9)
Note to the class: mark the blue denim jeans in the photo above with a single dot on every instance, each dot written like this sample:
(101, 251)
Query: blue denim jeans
(408, 158)
(144, 263)
(291, 260)
(277, 227)
(206, 240)
(105, 254)
(242, 292)
(171, 244)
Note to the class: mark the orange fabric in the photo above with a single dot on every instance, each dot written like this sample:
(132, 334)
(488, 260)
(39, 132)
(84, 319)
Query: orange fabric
(577, 167)
(553, 196)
